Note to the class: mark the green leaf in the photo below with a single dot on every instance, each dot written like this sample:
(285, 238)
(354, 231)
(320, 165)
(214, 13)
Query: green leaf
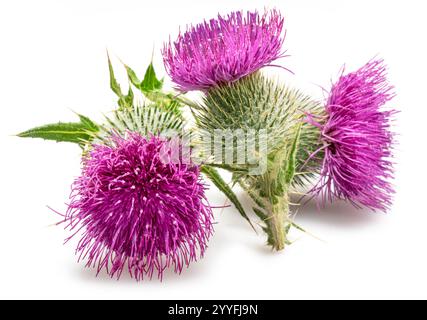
(133, 78)
(75, 132)
(60, 132)
(298, 227)
(260, 214)
(151, 87)
(127, 100)
(90, 125)
(292, 157)
(165, 101)
(217, 180)
(114, 85)
(270, 238)
(255, 196)
(150, 82)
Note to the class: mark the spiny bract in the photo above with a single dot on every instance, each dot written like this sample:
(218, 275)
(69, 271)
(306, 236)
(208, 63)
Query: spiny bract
(255, 103)
(258, 103)
(146, 119)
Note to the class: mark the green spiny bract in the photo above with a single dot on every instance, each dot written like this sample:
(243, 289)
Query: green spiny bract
(147, 120)
(257, 103)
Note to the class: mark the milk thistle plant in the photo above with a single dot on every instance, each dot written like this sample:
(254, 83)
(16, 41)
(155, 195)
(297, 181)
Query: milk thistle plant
(349, 145)
(139, 203)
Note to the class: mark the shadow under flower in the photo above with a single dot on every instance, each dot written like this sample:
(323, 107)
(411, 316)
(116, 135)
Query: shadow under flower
(338, 213)
(195, 270)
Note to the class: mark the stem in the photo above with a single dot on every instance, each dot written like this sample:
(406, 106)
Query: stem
(278, 224)
(274, 202)
(270, 192)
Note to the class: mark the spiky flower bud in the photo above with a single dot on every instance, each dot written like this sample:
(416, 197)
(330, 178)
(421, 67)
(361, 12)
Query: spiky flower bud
(256, 103)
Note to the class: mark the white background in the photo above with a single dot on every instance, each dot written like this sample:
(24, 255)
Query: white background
(53, 61)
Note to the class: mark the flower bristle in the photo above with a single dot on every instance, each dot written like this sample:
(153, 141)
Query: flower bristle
(225, 49)
(138, 209)
(358, 142)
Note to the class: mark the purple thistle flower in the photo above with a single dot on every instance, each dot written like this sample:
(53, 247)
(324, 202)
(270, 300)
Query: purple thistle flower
(138, 208)
(357, 139)
(224, 49)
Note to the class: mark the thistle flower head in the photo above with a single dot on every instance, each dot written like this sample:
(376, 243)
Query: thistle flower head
(138, 209)
(357, 139)
(224, 49)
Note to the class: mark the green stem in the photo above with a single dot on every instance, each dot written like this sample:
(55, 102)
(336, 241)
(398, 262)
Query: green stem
(271, 196)
(278, 223)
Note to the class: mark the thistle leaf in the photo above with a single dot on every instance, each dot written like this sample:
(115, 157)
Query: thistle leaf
(217, 180)
(133, 78)
(125, 101)
(75, 132)
(90, 125)
(114, 85)
(150, 82)
(151, 88)
(292, 157)
(260, 214)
